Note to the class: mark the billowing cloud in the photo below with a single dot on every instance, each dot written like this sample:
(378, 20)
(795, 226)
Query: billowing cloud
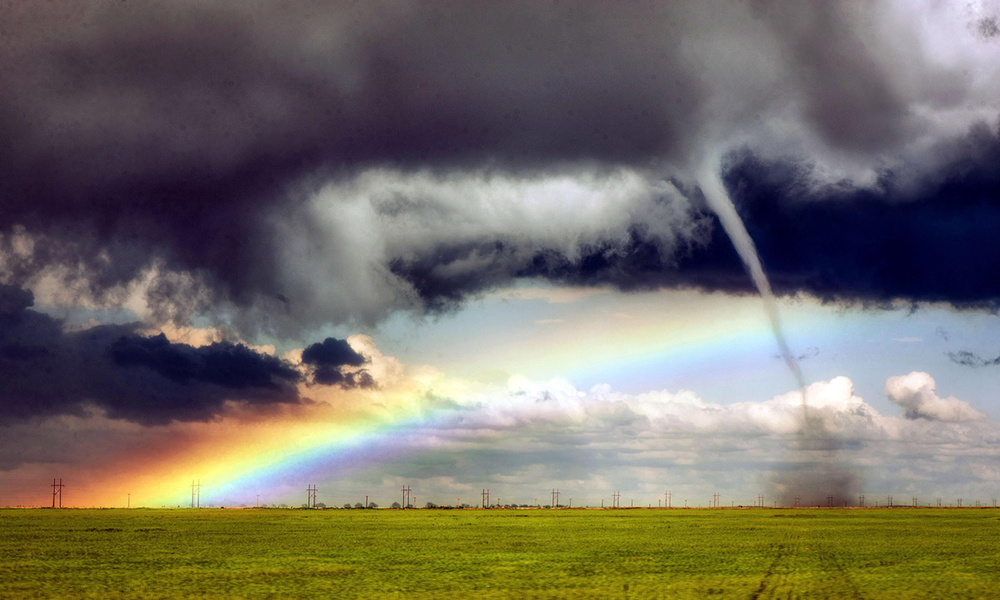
(335, 162)
(528, 437)
(916, 392)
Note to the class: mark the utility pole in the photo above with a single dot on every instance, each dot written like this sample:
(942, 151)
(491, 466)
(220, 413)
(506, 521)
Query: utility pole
(128, 502)
(195, 494)
(796, 502)
(861, 500)
(715, 500)
(760, 500)
(406, 495)
(616, 500)
(555, 498)
(311, 498)
(57, 492)
(669, 494)
(486, 498)
(829, 501)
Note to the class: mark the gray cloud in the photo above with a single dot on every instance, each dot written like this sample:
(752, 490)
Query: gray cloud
(971, 359)
(149, 380)
(187, 145)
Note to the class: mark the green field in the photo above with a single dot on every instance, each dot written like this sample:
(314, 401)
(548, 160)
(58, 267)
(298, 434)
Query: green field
(420, 554)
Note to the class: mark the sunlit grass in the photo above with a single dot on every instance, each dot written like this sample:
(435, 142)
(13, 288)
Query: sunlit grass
(542, 554)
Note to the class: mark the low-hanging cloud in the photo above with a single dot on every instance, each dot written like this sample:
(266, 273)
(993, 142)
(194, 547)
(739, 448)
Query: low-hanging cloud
(49, 371)
(187, 146)
(327, 361)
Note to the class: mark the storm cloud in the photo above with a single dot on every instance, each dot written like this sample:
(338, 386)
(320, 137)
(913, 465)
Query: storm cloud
(257, 164)
(149, 380)
(328, 359)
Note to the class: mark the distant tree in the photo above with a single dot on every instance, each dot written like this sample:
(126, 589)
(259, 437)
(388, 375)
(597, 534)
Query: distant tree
(347, 505)
(358, 505)
(320, 505)
(372, 505)
(396, 505)
(430, 505)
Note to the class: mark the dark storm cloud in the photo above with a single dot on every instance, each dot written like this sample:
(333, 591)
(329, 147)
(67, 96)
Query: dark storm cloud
(327, 360)
(148, 380)
(137, 134)
(841, 243)
(225, 364)
(837, 241)
(173, 141)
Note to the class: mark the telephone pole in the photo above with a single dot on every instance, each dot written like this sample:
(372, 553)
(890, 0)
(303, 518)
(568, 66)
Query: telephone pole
(555, 498)
(715, 500)
(311, 498)
(57, 492)
(406, 496)
(666, 498)
(616, 500)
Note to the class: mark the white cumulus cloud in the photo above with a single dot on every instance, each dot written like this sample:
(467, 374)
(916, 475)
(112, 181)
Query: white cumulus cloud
(916, 392)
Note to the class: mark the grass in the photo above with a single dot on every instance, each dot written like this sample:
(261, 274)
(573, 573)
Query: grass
(531, 554)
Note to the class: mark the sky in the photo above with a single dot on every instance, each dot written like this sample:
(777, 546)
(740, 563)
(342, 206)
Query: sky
(657, 247)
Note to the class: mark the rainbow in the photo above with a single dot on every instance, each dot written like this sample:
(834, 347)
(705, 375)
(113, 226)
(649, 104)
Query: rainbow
(277, 462)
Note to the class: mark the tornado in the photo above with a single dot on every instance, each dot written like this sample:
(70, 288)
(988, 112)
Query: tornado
(814, 475)
(721, 204)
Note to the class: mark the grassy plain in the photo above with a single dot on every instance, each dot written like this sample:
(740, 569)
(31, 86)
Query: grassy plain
(530, 554)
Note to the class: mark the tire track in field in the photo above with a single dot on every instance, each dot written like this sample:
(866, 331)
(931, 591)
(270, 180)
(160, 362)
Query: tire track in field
(805, 570)
(767, 582)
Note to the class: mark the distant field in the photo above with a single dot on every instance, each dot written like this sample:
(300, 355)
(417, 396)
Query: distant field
(532, 554)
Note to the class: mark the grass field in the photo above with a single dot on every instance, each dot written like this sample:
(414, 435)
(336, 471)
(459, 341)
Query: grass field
(532, 554)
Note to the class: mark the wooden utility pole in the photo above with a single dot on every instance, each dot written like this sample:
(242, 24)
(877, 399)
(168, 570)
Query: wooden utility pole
(57, 492)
